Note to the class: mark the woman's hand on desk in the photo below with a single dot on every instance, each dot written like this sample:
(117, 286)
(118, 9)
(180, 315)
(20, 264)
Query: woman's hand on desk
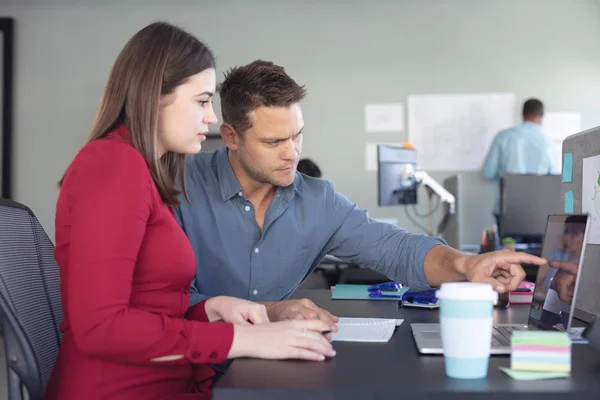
(300, 339)
(298, 310)
(236, 311)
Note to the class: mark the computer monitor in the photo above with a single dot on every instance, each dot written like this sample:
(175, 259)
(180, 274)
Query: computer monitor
(395, 175)
(525, 203)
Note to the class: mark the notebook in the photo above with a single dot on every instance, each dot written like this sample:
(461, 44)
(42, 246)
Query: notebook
(376, 330)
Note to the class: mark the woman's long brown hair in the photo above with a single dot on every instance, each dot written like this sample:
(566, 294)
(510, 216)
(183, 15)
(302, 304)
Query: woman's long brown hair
(153, 63)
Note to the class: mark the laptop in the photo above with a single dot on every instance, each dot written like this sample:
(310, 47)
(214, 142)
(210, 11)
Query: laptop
(555, 292)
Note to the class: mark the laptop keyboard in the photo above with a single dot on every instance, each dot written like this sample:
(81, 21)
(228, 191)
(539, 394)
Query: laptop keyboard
(501, 335)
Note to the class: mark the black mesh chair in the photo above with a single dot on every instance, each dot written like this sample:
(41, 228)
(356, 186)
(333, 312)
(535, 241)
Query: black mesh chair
(30, 305)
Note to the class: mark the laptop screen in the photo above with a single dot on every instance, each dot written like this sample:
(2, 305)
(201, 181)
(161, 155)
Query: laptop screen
(556, 281)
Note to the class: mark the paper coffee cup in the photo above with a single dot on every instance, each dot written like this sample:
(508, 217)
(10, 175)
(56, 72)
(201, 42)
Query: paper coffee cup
(466, 326)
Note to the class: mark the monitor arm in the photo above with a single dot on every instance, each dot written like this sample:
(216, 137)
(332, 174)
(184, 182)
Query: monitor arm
(423, 178)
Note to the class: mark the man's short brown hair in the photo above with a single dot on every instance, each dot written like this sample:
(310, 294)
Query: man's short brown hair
(533, 108)
(258, 84)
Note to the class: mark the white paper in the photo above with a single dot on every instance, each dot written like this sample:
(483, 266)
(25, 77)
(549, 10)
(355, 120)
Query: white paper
(454, 132)
(590, 195)
(371, 155)
(365, 329)
(384, 117)
(558, 126)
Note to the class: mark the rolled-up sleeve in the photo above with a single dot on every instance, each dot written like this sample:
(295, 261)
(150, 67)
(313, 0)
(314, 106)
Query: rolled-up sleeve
(385, 248)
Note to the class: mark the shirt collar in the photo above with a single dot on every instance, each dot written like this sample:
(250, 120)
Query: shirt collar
(532, 125)
(228, 183)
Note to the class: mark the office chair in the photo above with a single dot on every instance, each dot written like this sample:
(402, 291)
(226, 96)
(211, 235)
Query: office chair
(30, 305)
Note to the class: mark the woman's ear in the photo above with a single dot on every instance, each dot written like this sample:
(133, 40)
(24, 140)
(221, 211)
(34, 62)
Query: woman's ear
(230, 136)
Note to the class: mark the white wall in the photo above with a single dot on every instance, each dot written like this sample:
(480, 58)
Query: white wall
(348, 53)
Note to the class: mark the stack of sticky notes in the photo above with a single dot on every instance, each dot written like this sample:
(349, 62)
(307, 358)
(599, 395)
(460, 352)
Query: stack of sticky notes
(540, 351)
(523, 295)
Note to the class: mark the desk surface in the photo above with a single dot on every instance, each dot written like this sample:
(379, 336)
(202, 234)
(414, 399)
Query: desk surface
(374, 370)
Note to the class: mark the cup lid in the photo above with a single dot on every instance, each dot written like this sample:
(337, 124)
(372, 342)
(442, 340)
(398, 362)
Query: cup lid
(466, 291)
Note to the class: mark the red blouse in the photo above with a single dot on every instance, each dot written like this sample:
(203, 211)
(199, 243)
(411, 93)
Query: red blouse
(126, 268)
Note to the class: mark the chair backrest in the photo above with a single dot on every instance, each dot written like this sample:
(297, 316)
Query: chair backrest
(525, 203)
(30, 304)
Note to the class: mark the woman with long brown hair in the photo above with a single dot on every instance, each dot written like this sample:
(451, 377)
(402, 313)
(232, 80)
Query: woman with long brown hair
(126, 265)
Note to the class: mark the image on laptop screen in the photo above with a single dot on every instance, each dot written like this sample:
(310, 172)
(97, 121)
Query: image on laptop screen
(556, 281)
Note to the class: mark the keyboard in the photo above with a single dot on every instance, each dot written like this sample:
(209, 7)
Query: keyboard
(501, 335)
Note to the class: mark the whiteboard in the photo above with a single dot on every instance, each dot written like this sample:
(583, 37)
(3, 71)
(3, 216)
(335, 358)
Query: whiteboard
(558, 126)
(454, 132)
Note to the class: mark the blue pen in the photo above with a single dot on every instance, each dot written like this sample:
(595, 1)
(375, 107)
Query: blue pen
(380, 295)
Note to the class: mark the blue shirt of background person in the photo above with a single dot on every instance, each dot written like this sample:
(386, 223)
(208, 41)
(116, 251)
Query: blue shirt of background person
(524, 149)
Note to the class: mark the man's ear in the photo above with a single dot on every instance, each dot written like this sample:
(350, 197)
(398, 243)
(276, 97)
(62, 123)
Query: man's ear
(230, 136)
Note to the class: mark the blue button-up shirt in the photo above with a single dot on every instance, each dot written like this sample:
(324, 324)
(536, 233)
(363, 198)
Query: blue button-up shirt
(304, 222)
(524, 149)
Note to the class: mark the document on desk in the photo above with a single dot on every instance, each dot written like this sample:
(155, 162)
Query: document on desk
(375, 330)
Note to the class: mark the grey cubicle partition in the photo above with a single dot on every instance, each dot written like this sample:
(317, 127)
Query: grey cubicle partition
(453, 234)
(475, 199)
(583, 145)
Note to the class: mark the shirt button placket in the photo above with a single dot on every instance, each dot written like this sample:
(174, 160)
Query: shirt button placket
(256, 251)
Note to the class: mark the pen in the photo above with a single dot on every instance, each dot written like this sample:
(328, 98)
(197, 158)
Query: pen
(385, 295)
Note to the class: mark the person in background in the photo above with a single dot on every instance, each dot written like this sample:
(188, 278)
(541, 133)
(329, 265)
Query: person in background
(307, 167)
(261, 227)
(524, 149)
(126, 265)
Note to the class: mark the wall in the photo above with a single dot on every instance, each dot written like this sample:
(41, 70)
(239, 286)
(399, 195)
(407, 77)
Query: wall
(346, 53)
